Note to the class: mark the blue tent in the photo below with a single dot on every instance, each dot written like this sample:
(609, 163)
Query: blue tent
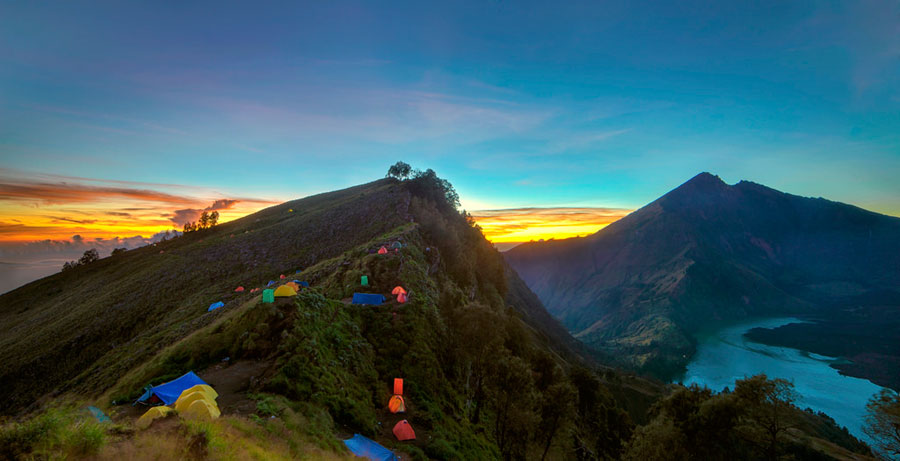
(98, 413)
(367, 448)
(271, 282)
(169, 392)
(304, 284)
(366, 298)
(215, 306)
(298, 271)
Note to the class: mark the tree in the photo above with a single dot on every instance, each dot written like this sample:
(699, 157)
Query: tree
(511, 396)
(204, 220)
(118, 251)
(883, 423)
(213, 219)
(557, 406)
(69, 265)
(399, 170)
(89, 256)
(767, 404)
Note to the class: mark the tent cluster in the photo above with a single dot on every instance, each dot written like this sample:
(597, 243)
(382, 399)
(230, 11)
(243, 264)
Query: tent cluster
(188, 395)
(402, 430)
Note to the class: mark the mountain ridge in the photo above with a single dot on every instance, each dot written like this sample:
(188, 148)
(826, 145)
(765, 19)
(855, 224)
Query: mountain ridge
(709, 251)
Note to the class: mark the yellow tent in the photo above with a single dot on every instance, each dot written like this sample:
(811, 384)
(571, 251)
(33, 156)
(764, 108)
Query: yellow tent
(156, 412)
(202, 387)
(201, 409)
(284, 291)
(186, 400)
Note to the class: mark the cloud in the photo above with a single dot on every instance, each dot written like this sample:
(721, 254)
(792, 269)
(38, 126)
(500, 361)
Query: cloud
(57, 193)
(514, 225)
(184, 216)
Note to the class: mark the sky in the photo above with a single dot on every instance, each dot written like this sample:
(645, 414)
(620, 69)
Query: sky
(124, 119)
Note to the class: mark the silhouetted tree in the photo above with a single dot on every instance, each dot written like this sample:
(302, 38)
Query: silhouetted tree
(213, 219)
(89, 256)
(399, 170)
(118, 251)
(204, 220)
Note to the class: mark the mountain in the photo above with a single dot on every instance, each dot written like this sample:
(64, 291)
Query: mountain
(708, 252)
(487, 372)
(104, 330)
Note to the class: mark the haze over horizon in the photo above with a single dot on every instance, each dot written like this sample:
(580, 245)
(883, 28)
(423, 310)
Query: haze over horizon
(124, 120)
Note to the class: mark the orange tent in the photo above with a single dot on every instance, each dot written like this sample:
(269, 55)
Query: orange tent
(397, 405)
(398, 386)
(293, 285)
(239, 289)
(397, 290)
(382, 251)
(403, 431)
(401, 298)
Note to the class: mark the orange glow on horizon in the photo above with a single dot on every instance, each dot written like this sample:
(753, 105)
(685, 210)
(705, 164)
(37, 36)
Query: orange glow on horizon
(60, 208)
(517, 225)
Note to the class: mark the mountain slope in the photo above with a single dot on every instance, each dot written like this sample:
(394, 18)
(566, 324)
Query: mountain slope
(706, 252)
(104, 330)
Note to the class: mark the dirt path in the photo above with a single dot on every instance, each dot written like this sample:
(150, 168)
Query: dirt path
(233, 381)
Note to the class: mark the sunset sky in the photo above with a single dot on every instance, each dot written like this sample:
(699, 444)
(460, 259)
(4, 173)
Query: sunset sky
(124, 119)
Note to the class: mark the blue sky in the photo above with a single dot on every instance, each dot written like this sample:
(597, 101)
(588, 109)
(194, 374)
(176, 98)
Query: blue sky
(606, 104)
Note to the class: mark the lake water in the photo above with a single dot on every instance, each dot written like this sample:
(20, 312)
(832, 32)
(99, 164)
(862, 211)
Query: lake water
(725, 356)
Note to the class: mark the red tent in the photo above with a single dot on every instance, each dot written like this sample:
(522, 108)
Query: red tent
(397, 290)
(398, 386)
(401, 298)
(403, 431)
(239, 289)
(382, 251)
(282, 276)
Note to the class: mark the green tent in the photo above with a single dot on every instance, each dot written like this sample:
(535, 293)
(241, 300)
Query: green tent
(269, 296)
(364, 280)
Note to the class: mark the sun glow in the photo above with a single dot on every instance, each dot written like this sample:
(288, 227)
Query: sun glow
(516, 225)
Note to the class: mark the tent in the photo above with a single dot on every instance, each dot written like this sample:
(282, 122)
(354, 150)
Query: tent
(293, 285)
(239, 290)
(364, 280)
(304, 284)
(99, 414)
(285, 291)
(396, 245)
(403, 431)
(169, 392)
(298, 271)
(271, 282)
(398, 386)
(402, 298)
(366, 298)
(201, 409)
(396, 404)
(187, 398)
(147, 418)
(365, 447)
(282, 277)
(203, 388)
(215, 306)
(382, 251)
(397, 290)
(268, 295)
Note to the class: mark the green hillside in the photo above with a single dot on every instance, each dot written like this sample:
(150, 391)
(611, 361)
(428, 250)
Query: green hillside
(488, 373)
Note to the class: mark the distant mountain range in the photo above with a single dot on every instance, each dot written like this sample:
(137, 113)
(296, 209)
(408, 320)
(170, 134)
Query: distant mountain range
(708, 252)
